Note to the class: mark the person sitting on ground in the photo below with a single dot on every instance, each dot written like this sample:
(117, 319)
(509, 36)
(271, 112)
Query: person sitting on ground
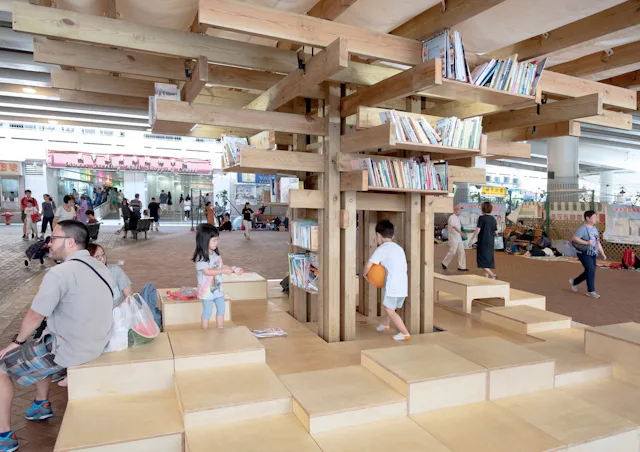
(226, 223)
(276, 223)
(91, 217)
(76, 297)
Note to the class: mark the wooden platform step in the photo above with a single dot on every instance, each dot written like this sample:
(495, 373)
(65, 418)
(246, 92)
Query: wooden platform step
(400, 434)
(195, 326)
(513, 369)
(571, 420)
(572, 338)
(485, 427)
(520, 298)
(214, 347)
(177, 312)
(613, 396)
(142, 422)
(572, 366)
(619, 344)
(228, 394)
(469, 288)
(248, 286)
(336, 398)
(431, 377)
(282, 433)
(145, 368)
(525, 319)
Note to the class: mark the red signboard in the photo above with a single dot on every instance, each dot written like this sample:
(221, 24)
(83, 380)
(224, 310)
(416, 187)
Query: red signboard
(10, 168)
(114, 162)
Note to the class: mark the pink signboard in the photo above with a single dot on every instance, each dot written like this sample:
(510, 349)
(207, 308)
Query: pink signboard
(114, 162)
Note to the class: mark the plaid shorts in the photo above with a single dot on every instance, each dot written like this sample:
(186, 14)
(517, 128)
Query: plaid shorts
(31, 362)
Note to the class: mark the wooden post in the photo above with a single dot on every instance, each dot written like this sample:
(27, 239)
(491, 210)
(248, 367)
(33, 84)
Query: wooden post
(349, 271)
(426, 303)
(370, 293)
(412, 249)
(331, 215)
(360, 261)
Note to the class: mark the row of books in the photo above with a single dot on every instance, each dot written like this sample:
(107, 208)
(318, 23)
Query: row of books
(304, 233)
(453, 132)
(232, 145)
(303, 270)
(280, 186)
(447, 45)
(509, 75)
(417, 173)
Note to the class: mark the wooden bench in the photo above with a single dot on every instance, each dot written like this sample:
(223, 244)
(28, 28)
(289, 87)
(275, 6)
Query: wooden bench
(470, 287)
(143, 226)
(177, 312)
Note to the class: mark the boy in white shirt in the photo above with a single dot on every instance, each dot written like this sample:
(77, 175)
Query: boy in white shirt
(396, 285)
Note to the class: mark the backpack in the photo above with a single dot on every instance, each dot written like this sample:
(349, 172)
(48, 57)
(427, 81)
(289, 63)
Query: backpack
(628, 258)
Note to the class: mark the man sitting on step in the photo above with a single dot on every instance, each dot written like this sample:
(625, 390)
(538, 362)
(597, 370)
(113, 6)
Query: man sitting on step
(76, 297)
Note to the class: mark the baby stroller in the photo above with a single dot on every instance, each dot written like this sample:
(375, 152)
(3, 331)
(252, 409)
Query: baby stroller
(37, 251)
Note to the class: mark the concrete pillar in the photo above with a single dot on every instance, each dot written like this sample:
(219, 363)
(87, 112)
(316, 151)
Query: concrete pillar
(563, 168)
(135, 182)
(607, 189)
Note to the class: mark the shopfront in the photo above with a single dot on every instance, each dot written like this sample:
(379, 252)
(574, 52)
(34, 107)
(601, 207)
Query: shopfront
(10, 174)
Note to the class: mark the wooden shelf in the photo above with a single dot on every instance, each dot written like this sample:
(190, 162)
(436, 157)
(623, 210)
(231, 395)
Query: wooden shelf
(456, 90)
(312, 292)
(313, 250)
(262, 161)
(266, 200)
(409, 190)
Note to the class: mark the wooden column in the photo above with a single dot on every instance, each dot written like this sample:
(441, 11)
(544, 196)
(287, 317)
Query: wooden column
(426, 303)
(360, 260)
(331, 215)
(412, 250)
(370, 293)
(349, 271)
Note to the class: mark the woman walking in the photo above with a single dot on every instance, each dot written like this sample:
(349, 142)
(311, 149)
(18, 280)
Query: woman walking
(125, 211)
(82, 210)
(66, 211)
(586, 241)
(187, 207)
(169, 201)
(48, 209)
(486, 230)
(209, 210)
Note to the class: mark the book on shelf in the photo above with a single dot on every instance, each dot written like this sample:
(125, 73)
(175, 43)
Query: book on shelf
(417, 173)
(447, 45)
(305, 233)
(280, 186)
(452, 132)
(509, 75)
(232, 145)
(303, 270)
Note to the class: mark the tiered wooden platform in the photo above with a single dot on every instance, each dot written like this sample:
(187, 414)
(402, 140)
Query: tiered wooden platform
(525, 319)
(619, 344)
(177, 313)
(470, 287)
(248, 286)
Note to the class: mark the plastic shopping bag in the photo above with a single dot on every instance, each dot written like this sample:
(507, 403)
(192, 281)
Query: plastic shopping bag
(142, 327)
(120, 332)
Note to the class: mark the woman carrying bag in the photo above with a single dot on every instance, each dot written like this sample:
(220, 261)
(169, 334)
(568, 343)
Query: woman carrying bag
(586, 241)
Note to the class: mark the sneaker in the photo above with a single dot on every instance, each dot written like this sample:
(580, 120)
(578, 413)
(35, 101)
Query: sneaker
(39, 411)
(444, 267)
(381, 327)
(401, 337)
(593, 294)
(573, 287)
(9, 442)
(463, 269)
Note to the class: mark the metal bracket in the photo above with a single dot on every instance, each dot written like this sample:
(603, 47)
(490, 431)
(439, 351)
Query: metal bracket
(608, 52)
(542, 102)
(545, 35)
(301, 64)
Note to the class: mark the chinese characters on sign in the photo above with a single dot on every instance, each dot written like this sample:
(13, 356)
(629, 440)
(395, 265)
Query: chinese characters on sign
(623, 224)
(10, 168)
(494, 191)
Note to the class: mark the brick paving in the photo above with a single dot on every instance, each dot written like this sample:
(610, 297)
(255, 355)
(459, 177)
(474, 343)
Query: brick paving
(164, 260)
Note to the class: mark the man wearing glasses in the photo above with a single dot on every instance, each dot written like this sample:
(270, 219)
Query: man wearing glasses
(76, 297)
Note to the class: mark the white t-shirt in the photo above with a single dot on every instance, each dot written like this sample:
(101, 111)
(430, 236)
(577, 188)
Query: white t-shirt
(391, 256)
(454, 220)
(62, 214)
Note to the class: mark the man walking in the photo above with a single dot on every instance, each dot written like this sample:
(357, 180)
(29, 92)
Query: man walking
(163, 200)
(456, 245)
(23, 205)
(76, 297)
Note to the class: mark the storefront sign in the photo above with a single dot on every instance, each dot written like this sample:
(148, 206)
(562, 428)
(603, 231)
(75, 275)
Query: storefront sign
(251, 178)
(10, 168)
(574, 210)
(61, 159)
(623, 224)
(499, 192)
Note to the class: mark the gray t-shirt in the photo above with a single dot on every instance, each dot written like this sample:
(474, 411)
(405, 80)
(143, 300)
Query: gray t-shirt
(78, 306)
(585, 232)
(48, 208)
(136, 206)
(215, 290)
(121, 281)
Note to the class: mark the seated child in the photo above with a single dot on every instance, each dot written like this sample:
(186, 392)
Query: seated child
(226, 223)
(145, 215)
(91, 217)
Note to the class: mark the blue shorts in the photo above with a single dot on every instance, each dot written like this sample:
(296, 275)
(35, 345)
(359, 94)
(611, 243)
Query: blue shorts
(207, 307)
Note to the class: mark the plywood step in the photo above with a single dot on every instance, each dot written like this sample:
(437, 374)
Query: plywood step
(335, 398)
(513, 369)
(215, 347)
(520, 298)
(485, 427)
(572, 366)
(611, 395)
(572, 338)
(142, 422)
(194, 326)
(248, 286)
(619, 344)
(400, 434)
(571, 420)
(525, 319)
(228, 394)
(431, 377)
(145, 368)
(177, 312)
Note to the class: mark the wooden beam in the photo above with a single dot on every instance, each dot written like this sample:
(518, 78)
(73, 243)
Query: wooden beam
(105, 84)
(616, 19)
(348, 271)
(498, 149)
(630, 80)
(367, 117)
(467, 175)
(381, 202)
(564, 110)
(318, 69)
(264, 140)
(183, 112)
(279, 24)
(467, 109)
(435, 19)
(421, 77)
(107, 59)
(598, 66)
(205, 131)
(563, 86)
(306, 199)
(608, 118)
(354, 181)
(285, 160)
(199, 78)
(65, 24)
(330, 9)
(108, 100)
(559, 129)
(428, 264)
(367, 139)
